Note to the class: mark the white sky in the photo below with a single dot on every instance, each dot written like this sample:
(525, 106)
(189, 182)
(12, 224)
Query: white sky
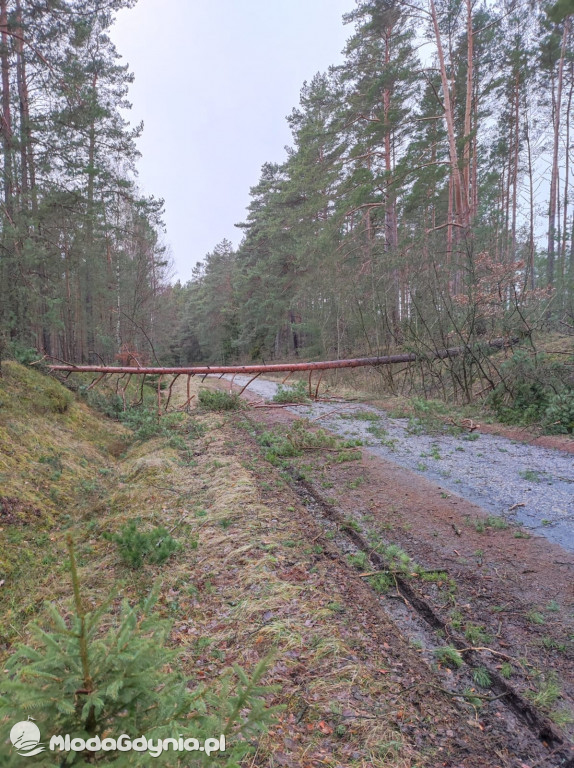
(214, 83)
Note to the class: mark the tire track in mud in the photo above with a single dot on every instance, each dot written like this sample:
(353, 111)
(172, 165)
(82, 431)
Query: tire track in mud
(506, 697)
(507, 704)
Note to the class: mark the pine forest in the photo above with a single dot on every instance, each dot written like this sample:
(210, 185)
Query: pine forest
(312, 507)
(426, 197)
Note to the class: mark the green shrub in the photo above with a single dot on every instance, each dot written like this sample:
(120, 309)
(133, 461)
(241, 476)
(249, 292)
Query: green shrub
(531, 385)
(343, 456)
(559, 413)
(100, 674)
(429, 417)
(365, 415)
(548, 692)
(21, 353)
(107, 403)
(481, 677)
(398, 559)
(381, 583)
(304, 437)
(506, 670)
(476, 634)
(449, 657)
(377, 431)
(217, 400)
(359, 560)
(294, 393)
(156, 546)
(153, 379)
(143, 421)
(276, 446)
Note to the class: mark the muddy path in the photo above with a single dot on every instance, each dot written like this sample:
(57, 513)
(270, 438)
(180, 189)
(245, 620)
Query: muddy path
(487, 607)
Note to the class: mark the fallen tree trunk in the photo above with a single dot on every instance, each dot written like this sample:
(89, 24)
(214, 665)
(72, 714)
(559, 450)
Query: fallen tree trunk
(324, 365)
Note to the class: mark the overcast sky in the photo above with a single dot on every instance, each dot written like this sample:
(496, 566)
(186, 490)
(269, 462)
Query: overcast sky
(214, 81)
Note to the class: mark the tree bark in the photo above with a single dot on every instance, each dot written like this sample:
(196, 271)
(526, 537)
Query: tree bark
(6, 112)
(90, 250)
(566, 198)
(467, 175)
(531, 249)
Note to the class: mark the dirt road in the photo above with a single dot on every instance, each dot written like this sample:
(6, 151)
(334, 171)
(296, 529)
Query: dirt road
(488, 607)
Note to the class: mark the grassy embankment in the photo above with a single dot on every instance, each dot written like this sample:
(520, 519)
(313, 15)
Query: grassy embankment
(245, 580)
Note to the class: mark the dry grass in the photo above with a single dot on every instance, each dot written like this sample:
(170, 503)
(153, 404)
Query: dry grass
(236, 595)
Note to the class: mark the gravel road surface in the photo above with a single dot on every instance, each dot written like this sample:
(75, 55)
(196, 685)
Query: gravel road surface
(527, 484)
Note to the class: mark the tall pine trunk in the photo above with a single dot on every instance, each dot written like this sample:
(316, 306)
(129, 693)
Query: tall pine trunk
(7, 139)
(460, 209)
(566, 198)
(90, 249)
(552, 204)
(467, 138)
(391, 225)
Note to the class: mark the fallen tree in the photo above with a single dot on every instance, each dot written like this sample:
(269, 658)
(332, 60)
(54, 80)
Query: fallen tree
(324, 365)
(257, 370)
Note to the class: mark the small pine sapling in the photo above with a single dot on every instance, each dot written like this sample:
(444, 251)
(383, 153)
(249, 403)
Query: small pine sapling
(155, 546)
(97, 673)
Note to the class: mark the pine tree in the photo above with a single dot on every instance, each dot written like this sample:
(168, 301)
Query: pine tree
(72, 218)
(93, 675)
